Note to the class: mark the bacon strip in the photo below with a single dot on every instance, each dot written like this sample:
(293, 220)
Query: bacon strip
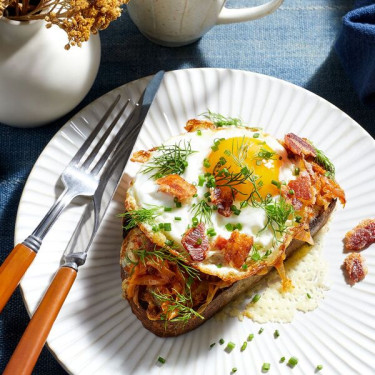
(299, 146)
(194, 124)
(176, 186)
(355, 267)
(196, 243)
(141, 156)
(363, 235)
(302, 187)
(236, 249)
(223, 199)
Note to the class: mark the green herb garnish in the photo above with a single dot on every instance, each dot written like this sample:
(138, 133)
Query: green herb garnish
(319, 367)
(324, 162)
(250, 337)
(162, 360)
(180, 303)
(266, 367)
(256, 298)
(292, 361)
(244, 346)
(220, 120)
(276, 334)
(141, 216)
(172, 160)
(230, 346)
(202, 212)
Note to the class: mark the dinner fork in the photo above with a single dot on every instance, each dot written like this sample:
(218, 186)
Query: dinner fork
(78, 180)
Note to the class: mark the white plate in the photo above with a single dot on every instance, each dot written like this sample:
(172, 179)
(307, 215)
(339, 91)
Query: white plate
(96, 333)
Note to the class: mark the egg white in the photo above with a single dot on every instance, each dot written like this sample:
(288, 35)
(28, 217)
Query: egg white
(144, 192)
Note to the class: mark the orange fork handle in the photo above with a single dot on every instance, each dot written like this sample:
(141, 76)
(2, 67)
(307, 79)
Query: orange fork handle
(12, 270)
(31, 344)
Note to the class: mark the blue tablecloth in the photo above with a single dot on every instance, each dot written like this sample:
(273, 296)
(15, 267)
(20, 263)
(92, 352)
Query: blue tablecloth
(294, 44)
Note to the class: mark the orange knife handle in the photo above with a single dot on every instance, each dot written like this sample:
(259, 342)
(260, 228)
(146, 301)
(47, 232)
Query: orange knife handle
(12, 270)
(31, 344)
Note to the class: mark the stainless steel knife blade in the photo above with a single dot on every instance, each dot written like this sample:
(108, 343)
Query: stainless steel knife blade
(83, 236)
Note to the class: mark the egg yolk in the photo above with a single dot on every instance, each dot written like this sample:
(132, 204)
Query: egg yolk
(230, 156)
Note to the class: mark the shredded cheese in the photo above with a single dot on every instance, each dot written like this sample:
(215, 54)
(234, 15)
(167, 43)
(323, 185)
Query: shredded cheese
(306, 269)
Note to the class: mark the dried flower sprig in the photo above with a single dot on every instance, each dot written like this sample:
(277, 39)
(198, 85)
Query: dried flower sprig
(78, 18)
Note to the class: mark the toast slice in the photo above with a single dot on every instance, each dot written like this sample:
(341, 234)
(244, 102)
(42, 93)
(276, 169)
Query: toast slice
(165, 328)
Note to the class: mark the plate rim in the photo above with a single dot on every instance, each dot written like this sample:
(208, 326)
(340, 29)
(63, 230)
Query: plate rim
(33, 170)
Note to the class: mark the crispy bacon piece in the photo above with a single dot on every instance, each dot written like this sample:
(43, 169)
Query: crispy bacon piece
(195, 242)
(176, 186)
(363, 235)
(141, 156)
(299, 146)
(355, 267)
(236, 249)
(302, 187)
(223, 198)
(194, 124)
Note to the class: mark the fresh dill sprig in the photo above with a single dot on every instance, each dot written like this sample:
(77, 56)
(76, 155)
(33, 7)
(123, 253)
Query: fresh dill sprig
(202, 211)
(163, 254)
(172, 160)
(239, 153)
(220, 120)
(143, 215)
(180, 303)
(323, 161)
(278, 212)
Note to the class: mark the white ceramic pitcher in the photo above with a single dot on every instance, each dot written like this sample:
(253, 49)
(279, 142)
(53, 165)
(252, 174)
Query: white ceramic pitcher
(176, 23)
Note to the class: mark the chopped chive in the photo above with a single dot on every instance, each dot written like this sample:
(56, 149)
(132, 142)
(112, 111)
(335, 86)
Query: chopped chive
(258, 162)
(230, 346)
(199, 132)
(319, 367)
(167, 209)
(244, 267)
(276, 334)
(260, 331)
(206, 163)
(229, 227)
(169, 242)
(235, 210)
(214, 207)
(162, 360)
(256, 135)
(211, 232)
(194, 220)
(266, 367)
(221, 341)
(222, 160)
(167, 227)
(276, 183)
(244, 345)
(291, 192)
(308, 295)
(282, 359)
(177, 218)
(256, 298)
(212, 345)
(208, 194)
(199, 241)
(296, 171)
(155, 228)
(238, 226)
(178, 204)
(292, 361)
(195, 195)
(161, 226)
(234, 369)
(214, 148)
(250, 337)
(201, 180)
(219, 265)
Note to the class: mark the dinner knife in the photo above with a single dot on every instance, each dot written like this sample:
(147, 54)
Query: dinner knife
(28, 349)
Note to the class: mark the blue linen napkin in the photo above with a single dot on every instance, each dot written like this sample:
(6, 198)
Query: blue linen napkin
(356, 49)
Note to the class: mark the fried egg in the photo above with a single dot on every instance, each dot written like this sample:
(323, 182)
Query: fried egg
(250, 164)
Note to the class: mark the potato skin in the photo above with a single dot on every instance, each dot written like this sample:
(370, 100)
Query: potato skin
(171, 329)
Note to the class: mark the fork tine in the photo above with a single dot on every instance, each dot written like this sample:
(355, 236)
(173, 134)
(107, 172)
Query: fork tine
(77, 157)
(114, 143)
(86, 164)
